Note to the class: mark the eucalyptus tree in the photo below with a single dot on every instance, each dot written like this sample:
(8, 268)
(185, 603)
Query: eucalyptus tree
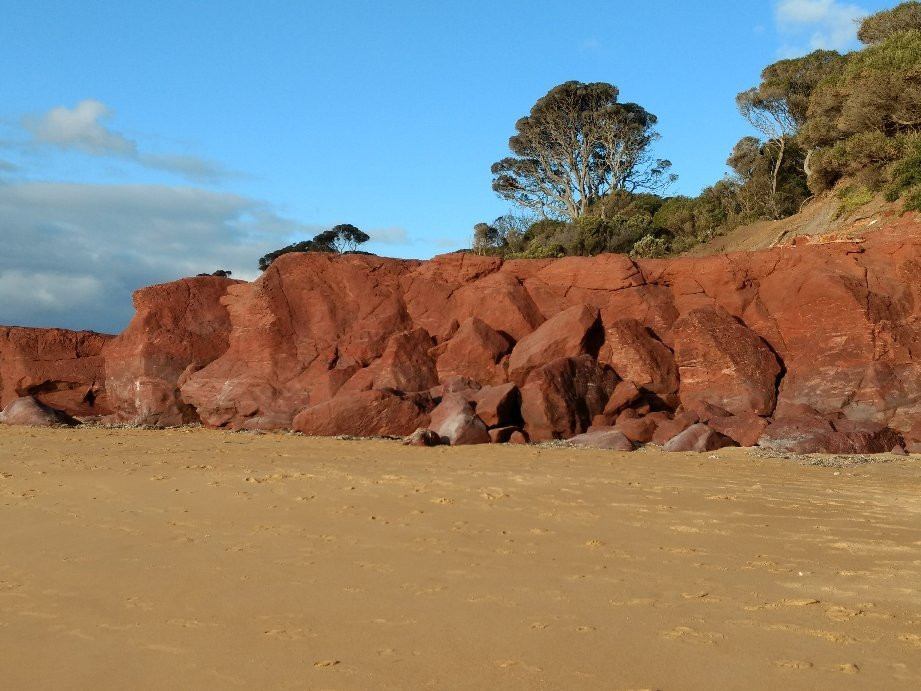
(578, 144)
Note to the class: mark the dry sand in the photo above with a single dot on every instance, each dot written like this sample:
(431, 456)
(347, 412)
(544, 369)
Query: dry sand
(187, 559)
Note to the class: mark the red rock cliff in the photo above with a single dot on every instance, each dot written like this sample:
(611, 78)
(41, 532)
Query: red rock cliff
(831, 331)
(61, 368)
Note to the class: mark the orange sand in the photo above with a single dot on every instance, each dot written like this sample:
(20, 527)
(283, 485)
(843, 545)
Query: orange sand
(188, 559)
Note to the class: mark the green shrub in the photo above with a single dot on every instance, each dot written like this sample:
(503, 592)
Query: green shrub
(913, 199)
(852, 198)
(650, 247)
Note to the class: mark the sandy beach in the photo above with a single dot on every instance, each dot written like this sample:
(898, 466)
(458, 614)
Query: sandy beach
(193, 559)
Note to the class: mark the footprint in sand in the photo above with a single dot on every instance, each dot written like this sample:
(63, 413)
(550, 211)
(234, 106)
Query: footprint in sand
(793, 664)
(689, 635)
(288, 634)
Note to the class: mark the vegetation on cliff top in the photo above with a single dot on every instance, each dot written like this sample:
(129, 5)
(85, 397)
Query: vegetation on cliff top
(583, 175)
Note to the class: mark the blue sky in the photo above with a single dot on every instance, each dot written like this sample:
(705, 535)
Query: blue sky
(140, 142)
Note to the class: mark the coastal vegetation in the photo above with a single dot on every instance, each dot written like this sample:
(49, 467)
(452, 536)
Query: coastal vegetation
(585, 181)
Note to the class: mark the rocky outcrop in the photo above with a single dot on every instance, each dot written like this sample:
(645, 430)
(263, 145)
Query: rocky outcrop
(60, 368)
(739, 342)
(178, 329)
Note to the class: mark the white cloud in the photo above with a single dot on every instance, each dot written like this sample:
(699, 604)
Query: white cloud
(388, 236)
(73, 254)
(82, 128)
(42, 291)
(829, 24)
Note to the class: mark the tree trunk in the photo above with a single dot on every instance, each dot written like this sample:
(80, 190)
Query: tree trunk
(775, 174)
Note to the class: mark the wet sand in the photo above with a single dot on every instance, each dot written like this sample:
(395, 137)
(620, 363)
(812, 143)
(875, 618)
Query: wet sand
(196, 559)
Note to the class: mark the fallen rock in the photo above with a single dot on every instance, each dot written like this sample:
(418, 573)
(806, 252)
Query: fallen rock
(698, 437)
(372, 413)
(638, 429)
(405, 364)
(474, 351)
(610, 438)
(818, 435)
(455, 423)
(504, 435)
(27, 410)
(639, 357)
(561, 398)
(624, 394)
(745, 429)
(573, 332)
(704, 411)
(422, 437)
(499, 405)
(671, 428)
(723, 363)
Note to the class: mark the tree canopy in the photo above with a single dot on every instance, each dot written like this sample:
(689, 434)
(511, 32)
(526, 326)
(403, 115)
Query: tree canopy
(577, 145)
(878, 27)
(342, 239)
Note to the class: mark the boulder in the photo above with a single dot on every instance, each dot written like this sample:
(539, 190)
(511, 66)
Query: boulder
(609, 438)
(624, 394)
(819, 435)
(519, 437)
(723, 363)
(27, 410)
(499, 405)
(637, 356)
(745, 429)
(474, 351)
(704, 411)
(504, 435)
(638, 429)
(698, 437)
(405, 364)
(573, 332)
(561, 398)
(455, 423)
(422, 437)
(668, 429)
(372, 413)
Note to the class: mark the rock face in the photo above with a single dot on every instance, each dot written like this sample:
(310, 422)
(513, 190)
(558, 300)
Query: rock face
(724, 364)
(736, 341)
(178, 328)
(60, 368)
